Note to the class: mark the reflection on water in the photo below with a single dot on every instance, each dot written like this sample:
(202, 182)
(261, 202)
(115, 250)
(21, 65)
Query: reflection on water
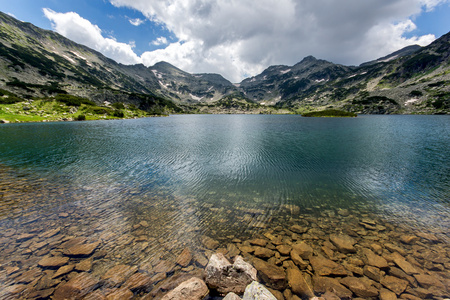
(147, 189)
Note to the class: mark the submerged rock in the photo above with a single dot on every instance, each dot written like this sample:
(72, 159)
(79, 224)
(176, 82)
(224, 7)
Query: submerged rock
(394, 284)
(359, 287)
(76, 288)
(325, 267)
(327, 284)
(298, 284)
(343, 243)
(184, 259)
(81, 249)
(53, 261)
(303, 249)
(273, 276)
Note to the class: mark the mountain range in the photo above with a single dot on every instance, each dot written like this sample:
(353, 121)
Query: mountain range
(40, 63)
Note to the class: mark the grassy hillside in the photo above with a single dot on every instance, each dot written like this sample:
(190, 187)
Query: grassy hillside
(63, 107)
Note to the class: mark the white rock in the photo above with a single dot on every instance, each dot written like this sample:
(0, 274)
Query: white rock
(256, 291)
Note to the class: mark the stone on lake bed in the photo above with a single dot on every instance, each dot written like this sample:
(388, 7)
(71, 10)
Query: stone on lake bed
(272, 275)
(53, 261)
(263, 252)
(120, 294)
(373, 273)
(209, 242)
(118, 275)
(375, 260)
(299, 229)
(295, 256)
(304, 250)
(325, 267)
(298, 284)
(76, 288)
(343, 243)
(184, 259)
(359, 287)
(85, 265)
(138, 282)
(394, 284)
(192, 289)
(284, 250)
(405, 266)
(258, 242)
(325, 284)
(81, 249)
(63, 271)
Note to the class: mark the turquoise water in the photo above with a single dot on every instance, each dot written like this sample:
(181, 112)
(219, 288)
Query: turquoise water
(225, 174)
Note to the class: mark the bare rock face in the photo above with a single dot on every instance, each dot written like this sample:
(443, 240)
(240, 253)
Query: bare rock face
(343, 242)
(193, 289)
(225, 277)
(76, 288)
(257, 291)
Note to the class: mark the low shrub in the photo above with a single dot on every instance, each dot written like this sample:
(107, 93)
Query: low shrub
(80, 118)
(329, 113)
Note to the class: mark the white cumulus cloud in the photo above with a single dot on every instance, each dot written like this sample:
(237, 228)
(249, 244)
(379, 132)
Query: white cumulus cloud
(136, 22)
(240, 38)
(162, 40)
(80, 30)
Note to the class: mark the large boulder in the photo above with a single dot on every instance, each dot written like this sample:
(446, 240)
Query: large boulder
(225, 277)
(192, 289)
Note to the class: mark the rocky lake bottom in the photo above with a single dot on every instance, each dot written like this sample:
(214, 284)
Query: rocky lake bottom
(61, 243)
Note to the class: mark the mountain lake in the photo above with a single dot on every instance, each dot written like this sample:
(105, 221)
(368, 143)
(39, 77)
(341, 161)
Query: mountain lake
(158, 196)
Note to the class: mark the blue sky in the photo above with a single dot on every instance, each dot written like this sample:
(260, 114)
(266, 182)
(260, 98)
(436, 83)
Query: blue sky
(238, 38)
